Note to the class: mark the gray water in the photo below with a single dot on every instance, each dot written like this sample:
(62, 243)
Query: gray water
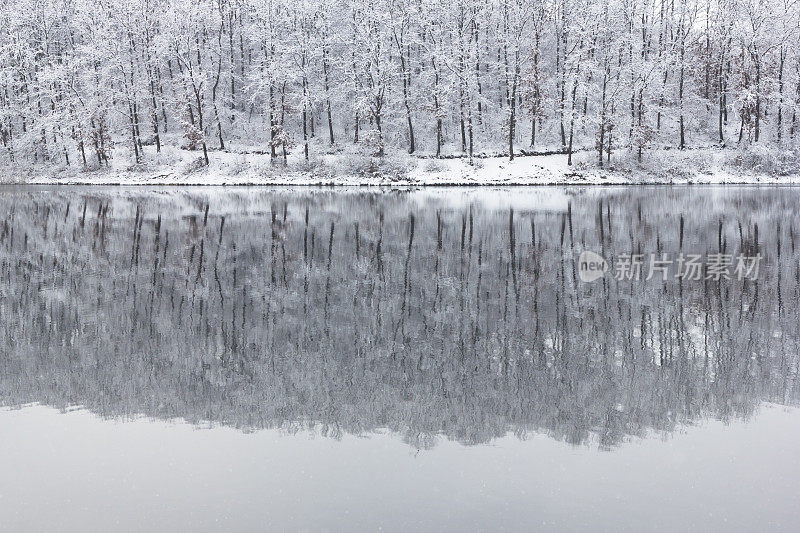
(416, 328)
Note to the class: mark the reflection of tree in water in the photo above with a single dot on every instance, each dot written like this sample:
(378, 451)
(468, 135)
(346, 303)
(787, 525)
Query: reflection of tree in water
(353, 312)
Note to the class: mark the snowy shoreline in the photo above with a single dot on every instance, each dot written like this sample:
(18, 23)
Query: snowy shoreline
(180, 168)
(378, 184)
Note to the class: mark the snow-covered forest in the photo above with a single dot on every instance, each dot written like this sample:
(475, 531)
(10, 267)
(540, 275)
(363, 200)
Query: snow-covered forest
(82, 82)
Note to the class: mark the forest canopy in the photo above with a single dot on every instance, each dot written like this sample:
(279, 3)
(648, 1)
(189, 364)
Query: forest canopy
(79, 78)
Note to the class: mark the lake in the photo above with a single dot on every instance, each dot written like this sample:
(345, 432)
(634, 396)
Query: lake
(355, 359)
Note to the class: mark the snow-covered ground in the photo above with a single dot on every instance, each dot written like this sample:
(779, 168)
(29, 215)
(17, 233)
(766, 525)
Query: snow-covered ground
(175, 166)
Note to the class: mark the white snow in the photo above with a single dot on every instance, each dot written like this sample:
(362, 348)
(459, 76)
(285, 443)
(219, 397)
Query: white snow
(175, 166)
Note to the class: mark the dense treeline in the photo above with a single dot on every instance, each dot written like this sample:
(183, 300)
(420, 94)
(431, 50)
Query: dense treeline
(78, 77)
(355, 312)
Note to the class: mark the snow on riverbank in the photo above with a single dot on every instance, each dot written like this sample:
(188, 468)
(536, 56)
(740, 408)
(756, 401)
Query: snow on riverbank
(349, 168)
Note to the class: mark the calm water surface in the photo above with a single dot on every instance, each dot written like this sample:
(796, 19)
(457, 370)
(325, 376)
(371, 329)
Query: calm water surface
(256, 359)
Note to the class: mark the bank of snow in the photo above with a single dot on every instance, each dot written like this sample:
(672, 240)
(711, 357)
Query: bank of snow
(712, 165)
